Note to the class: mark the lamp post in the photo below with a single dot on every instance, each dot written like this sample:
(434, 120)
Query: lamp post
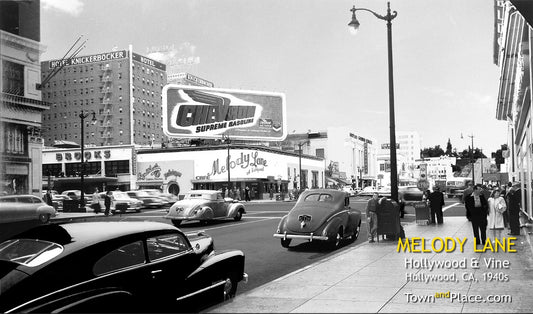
(354, 24)
(82, 116)
(300, 162)
(226, 139)
(472, 159)
(360, 181)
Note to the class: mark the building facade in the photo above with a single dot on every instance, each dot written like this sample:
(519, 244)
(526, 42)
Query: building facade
(21, 103)
(513, 38)
(349, 157)
(121, 87)
(178, 170)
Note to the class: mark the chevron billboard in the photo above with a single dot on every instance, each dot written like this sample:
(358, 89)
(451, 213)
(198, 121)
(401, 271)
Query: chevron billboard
(202, 112)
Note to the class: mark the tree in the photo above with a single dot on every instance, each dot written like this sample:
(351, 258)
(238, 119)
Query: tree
(436, 151)
(498, 156)
(449, 149)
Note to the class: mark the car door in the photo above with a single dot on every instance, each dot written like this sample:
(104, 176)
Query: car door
(220, 206)
(27, 209)
(171, 261)
(9, 209)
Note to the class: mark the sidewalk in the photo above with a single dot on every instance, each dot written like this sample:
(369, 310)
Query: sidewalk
(371, 277)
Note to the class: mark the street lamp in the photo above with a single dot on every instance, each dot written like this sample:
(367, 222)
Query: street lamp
(354, 25)
(226, 139)
(472, 159)
(93, 121)
(360, 181)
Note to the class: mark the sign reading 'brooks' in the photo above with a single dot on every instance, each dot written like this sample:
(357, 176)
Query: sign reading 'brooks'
(201, 112)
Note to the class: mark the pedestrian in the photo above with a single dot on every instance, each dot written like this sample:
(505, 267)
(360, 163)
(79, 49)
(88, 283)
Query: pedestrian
(436, 201)
(247, 194)
(401, 201)
(95, 201)
(48, 198)
(514, 199)
(271, 192)
(467, 191)
(239, 194)
(372, 216)
(496, 209)
(107, 202)
(505, 190)
(477, 209)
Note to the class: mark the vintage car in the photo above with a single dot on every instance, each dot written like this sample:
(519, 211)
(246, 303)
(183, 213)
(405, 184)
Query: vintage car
(120, 202)
(25, 207)
(410, 193)
(320, 215)
(204, 205)
(148, 200)
(112, 267)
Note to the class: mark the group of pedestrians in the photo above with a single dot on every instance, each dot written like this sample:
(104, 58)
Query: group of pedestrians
(496, 212)
(95, 202)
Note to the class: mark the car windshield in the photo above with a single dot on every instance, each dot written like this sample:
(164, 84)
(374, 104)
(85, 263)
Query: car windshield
(29, 252)
(316, 197)
(196, 196)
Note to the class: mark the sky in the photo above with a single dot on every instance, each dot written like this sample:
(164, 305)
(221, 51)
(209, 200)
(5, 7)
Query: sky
(445, 80)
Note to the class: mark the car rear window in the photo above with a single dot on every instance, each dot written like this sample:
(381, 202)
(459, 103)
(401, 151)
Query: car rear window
(319, 197)
(29, 252)
(194, 195)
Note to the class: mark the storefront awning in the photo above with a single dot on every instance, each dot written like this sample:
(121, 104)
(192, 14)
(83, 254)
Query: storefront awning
(85, 179)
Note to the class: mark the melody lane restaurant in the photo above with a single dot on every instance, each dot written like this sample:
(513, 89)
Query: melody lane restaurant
(178, 170)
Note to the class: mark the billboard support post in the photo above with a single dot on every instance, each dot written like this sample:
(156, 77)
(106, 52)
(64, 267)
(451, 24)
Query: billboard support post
(228, 141)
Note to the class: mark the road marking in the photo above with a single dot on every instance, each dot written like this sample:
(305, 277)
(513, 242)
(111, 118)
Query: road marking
(450, 206)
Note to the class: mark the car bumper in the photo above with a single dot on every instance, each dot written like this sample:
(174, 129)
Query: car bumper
(309, 237)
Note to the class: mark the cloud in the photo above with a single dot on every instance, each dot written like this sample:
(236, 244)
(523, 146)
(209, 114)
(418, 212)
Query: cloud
(72, 7)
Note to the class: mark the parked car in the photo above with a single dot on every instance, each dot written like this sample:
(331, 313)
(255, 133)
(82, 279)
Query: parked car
(367, 191)
(57, 200)
(76, 195)
(205, 205)
(320, 215)
(148, 200)
(113, 267)
(25, 207)
(170, 198)
(120, 202)
(411, 193)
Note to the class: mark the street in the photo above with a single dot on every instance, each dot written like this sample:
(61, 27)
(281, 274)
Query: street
(266, 260)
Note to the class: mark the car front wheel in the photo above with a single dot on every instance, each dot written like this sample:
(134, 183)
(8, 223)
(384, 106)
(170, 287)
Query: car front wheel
(356, 232)
(238, 216)
(230, 288)
(285, 242)
(44, 218)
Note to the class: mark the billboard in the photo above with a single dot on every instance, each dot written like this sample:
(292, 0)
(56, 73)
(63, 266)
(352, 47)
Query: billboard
(202, 112)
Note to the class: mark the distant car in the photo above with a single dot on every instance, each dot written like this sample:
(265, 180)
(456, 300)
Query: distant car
(170, 198)
(25, 207)
(57, 200)
(167, 198)
(120, 202)
(410, 193)
(320, 215)
(112, 267)
(367, 191)
(349, 190)
(148, 200)
(76, 195)
(204, 205)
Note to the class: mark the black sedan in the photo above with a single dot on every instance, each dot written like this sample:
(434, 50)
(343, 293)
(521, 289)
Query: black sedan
(322, 215)
(114, 267)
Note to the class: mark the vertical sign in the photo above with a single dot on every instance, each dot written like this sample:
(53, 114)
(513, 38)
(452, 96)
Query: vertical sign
(365, 154)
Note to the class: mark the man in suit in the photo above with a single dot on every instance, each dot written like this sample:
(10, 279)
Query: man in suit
(436, 201)
(514, 199)
(477, 209)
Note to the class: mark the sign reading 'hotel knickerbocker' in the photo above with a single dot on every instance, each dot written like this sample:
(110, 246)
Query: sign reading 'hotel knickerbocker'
(201, 112)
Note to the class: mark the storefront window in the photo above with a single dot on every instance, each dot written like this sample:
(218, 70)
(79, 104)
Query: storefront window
(115, 167)
(74, 169)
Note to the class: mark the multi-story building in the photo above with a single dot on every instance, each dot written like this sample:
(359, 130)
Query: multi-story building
(409, 146)
(121, 87)
(350, 158)
(21, 103)
(512, 54)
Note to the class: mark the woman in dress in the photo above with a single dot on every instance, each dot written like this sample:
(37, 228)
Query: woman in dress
(497, 207)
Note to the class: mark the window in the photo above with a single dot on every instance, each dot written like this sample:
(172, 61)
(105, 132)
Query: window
(14, 139)
(117, 167)
(126, 256)
(166, 245)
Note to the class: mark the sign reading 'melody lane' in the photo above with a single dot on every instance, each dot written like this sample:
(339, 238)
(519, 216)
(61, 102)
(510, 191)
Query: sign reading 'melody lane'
(201, 112)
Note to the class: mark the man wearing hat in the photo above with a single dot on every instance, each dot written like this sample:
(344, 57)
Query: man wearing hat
(513, 206)
(436, 201)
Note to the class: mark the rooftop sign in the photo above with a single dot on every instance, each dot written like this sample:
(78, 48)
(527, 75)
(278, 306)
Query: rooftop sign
(201, 112)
